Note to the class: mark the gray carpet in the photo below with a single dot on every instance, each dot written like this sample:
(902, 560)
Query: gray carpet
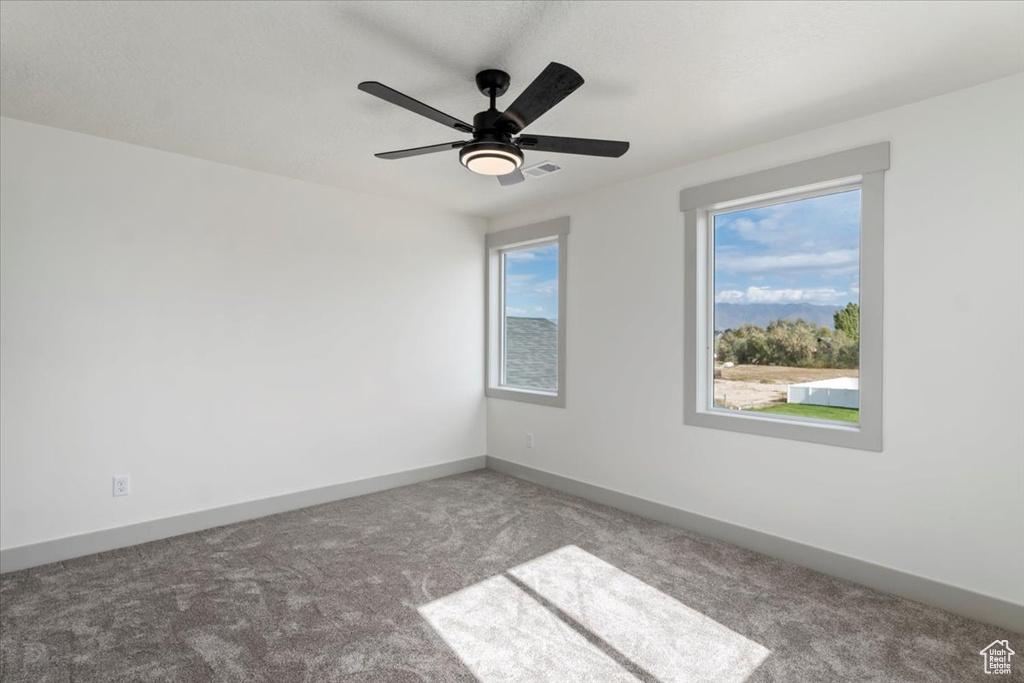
(478, 576)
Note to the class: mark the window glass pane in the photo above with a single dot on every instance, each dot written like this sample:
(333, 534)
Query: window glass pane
(530, 318)
(787, 308)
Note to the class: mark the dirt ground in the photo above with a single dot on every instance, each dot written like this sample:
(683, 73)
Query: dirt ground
(760, 386)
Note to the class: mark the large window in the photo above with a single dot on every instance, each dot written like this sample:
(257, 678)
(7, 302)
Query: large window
(783, 301)
(526, 313)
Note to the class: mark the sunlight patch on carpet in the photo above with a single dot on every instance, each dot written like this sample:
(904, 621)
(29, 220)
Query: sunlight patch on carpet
(661, 635)
(505, 635)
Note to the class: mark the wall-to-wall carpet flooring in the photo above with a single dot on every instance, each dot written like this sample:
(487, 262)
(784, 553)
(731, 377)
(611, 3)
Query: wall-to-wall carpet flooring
(479, 576)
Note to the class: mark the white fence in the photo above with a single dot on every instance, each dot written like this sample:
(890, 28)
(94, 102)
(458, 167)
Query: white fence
(841, 392)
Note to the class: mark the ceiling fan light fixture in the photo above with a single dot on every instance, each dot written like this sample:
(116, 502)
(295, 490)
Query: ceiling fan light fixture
(495, 149)
(491, 158)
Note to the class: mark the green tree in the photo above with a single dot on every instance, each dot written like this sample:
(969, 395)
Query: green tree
(724, 347)
(847, 321)
(837, 350)
(793, 342)
(754, 350)
(746, 345)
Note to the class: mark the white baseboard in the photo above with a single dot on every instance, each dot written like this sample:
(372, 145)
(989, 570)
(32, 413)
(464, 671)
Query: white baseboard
(57, 550)
(962, 601)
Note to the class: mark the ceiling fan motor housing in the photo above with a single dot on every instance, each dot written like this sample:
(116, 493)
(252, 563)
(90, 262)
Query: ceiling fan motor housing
(487, 123)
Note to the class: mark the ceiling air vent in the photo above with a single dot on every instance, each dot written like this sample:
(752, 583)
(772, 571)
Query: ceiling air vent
(541, 169)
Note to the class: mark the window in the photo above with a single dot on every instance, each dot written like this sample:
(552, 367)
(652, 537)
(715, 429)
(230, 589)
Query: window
(526, 270)
(783, 301)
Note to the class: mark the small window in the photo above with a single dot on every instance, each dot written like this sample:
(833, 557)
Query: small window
(784, 301)
(526, 313)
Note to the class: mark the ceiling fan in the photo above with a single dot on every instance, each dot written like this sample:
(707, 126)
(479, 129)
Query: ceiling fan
(498, 143)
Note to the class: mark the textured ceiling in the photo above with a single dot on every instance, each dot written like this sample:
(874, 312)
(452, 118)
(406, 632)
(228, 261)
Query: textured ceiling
(272, 85)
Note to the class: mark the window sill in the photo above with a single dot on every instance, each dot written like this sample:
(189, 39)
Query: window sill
(542, 398)
(808, 430)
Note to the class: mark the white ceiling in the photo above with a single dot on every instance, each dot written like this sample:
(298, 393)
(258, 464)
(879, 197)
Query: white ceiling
(272, 85)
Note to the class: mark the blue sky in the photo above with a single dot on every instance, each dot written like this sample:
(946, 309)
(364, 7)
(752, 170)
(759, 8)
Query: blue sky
(531, 282)
(805, 251)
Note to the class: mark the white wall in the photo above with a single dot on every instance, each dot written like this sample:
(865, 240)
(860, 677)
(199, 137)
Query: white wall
(944, 500)
(218, 334)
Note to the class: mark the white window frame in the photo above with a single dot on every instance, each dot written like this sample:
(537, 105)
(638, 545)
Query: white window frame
(862, 168)
(497, 243)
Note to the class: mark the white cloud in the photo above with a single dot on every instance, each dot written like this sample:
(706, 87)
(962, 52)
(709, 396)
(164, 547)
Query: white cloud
(516, 283)
(826, 222)
(729, 296)
(773, 296)
(767, 295)
(548, 288)
(839, 260)
(512, 310)
(521, 255)
(546, 253)
(764, 231)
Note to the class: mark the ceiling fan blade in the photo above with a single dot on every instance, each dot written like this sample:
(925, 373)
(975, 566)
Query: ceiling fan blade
(513, 178)
(594, 148)
(555, 83)
(394, 97)
(416, 151)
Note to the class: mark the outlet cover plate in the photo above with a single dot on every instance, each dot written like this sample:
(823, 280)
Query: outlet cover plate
(122, 485)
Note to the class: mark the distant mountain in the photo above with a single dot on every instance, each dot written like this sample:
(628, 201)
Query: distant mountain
(731, 316)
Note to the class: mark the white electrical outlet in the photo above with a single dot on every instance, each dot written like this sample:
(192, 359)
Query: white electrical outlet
(122, 485)
(529, 439)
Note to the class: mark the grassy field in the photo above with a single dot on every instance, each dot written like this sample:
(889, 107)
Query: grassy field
(817, 412)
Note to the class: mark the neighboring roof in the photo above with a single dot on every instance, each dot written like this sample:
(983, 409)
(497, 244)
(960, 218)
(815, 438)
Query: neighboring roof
(531, 353)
